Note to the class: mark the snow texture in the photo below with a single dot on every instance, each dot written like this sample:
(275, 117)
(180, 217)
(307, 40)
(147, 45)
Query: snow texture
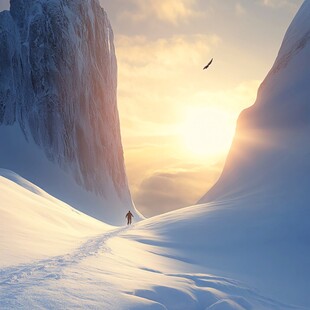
(53, 257)
(58, 80)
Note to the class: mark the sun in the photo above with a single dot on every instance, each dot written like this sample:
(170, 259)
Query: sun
(207, 131)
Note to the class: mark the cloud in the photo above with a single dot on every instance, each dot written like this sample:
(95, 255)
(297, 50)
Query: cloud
(164, 52)
(278, 3)
(170, 11)
(240, 9)
(172, 176)
(155, 74)
(159, 80)
(172, 189)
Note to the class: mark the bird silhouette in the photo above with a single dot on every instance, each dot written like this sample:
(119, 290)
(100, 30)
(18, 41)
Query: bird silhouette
(207, 66)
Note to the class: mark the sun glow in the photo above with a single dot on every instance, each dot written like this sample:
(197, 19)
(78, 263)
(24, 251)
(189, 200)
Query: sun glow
(207, 131)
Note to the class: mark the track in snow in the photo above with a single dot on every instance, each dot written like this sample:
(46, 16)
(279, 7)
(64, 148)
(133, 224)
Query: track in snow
(26, 286)
(52, 268)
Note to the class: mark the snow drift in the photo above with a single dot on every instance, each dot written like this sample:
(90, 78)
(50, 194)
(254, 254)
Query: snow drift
(58, 111)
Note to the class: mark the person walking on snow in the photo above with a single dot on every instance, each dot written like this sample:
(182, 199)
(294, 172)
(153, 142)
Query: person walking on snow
(129, 216)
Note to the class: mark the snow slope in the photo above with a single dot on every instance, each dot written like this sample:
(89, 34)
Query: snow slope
(265, 181)
(253, 225)
(54, 257)
(58, 80)
(36, 225)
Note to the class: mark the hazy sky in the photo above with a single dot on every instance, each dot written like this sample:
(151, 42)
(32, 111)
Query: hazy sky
(177, 120)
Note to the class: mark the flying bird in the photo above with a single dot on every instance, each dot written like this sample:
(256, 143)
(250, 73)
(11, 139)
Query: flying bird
(207, 66)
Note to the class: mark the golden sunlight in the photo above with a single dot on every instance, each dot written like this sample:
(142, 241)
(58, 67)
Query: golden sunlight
(207, 131)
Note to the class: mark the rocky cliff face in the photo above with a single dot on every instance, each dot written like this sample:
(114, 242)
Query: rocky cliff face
(58, 79)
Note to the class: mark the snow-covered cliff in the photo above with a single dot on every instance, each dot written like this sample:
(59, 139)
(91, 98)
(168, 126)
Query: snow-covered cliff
(271, 146)
(58, 79)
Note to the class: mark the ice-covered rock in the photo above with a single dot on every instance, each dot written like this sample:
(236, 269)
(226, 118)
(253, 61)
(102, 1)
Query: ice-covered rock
(58, 81)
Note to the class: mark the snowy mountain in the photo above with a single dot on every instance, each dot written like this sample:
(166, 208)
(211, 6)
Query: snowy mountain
(246, 246)
(58, 112)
